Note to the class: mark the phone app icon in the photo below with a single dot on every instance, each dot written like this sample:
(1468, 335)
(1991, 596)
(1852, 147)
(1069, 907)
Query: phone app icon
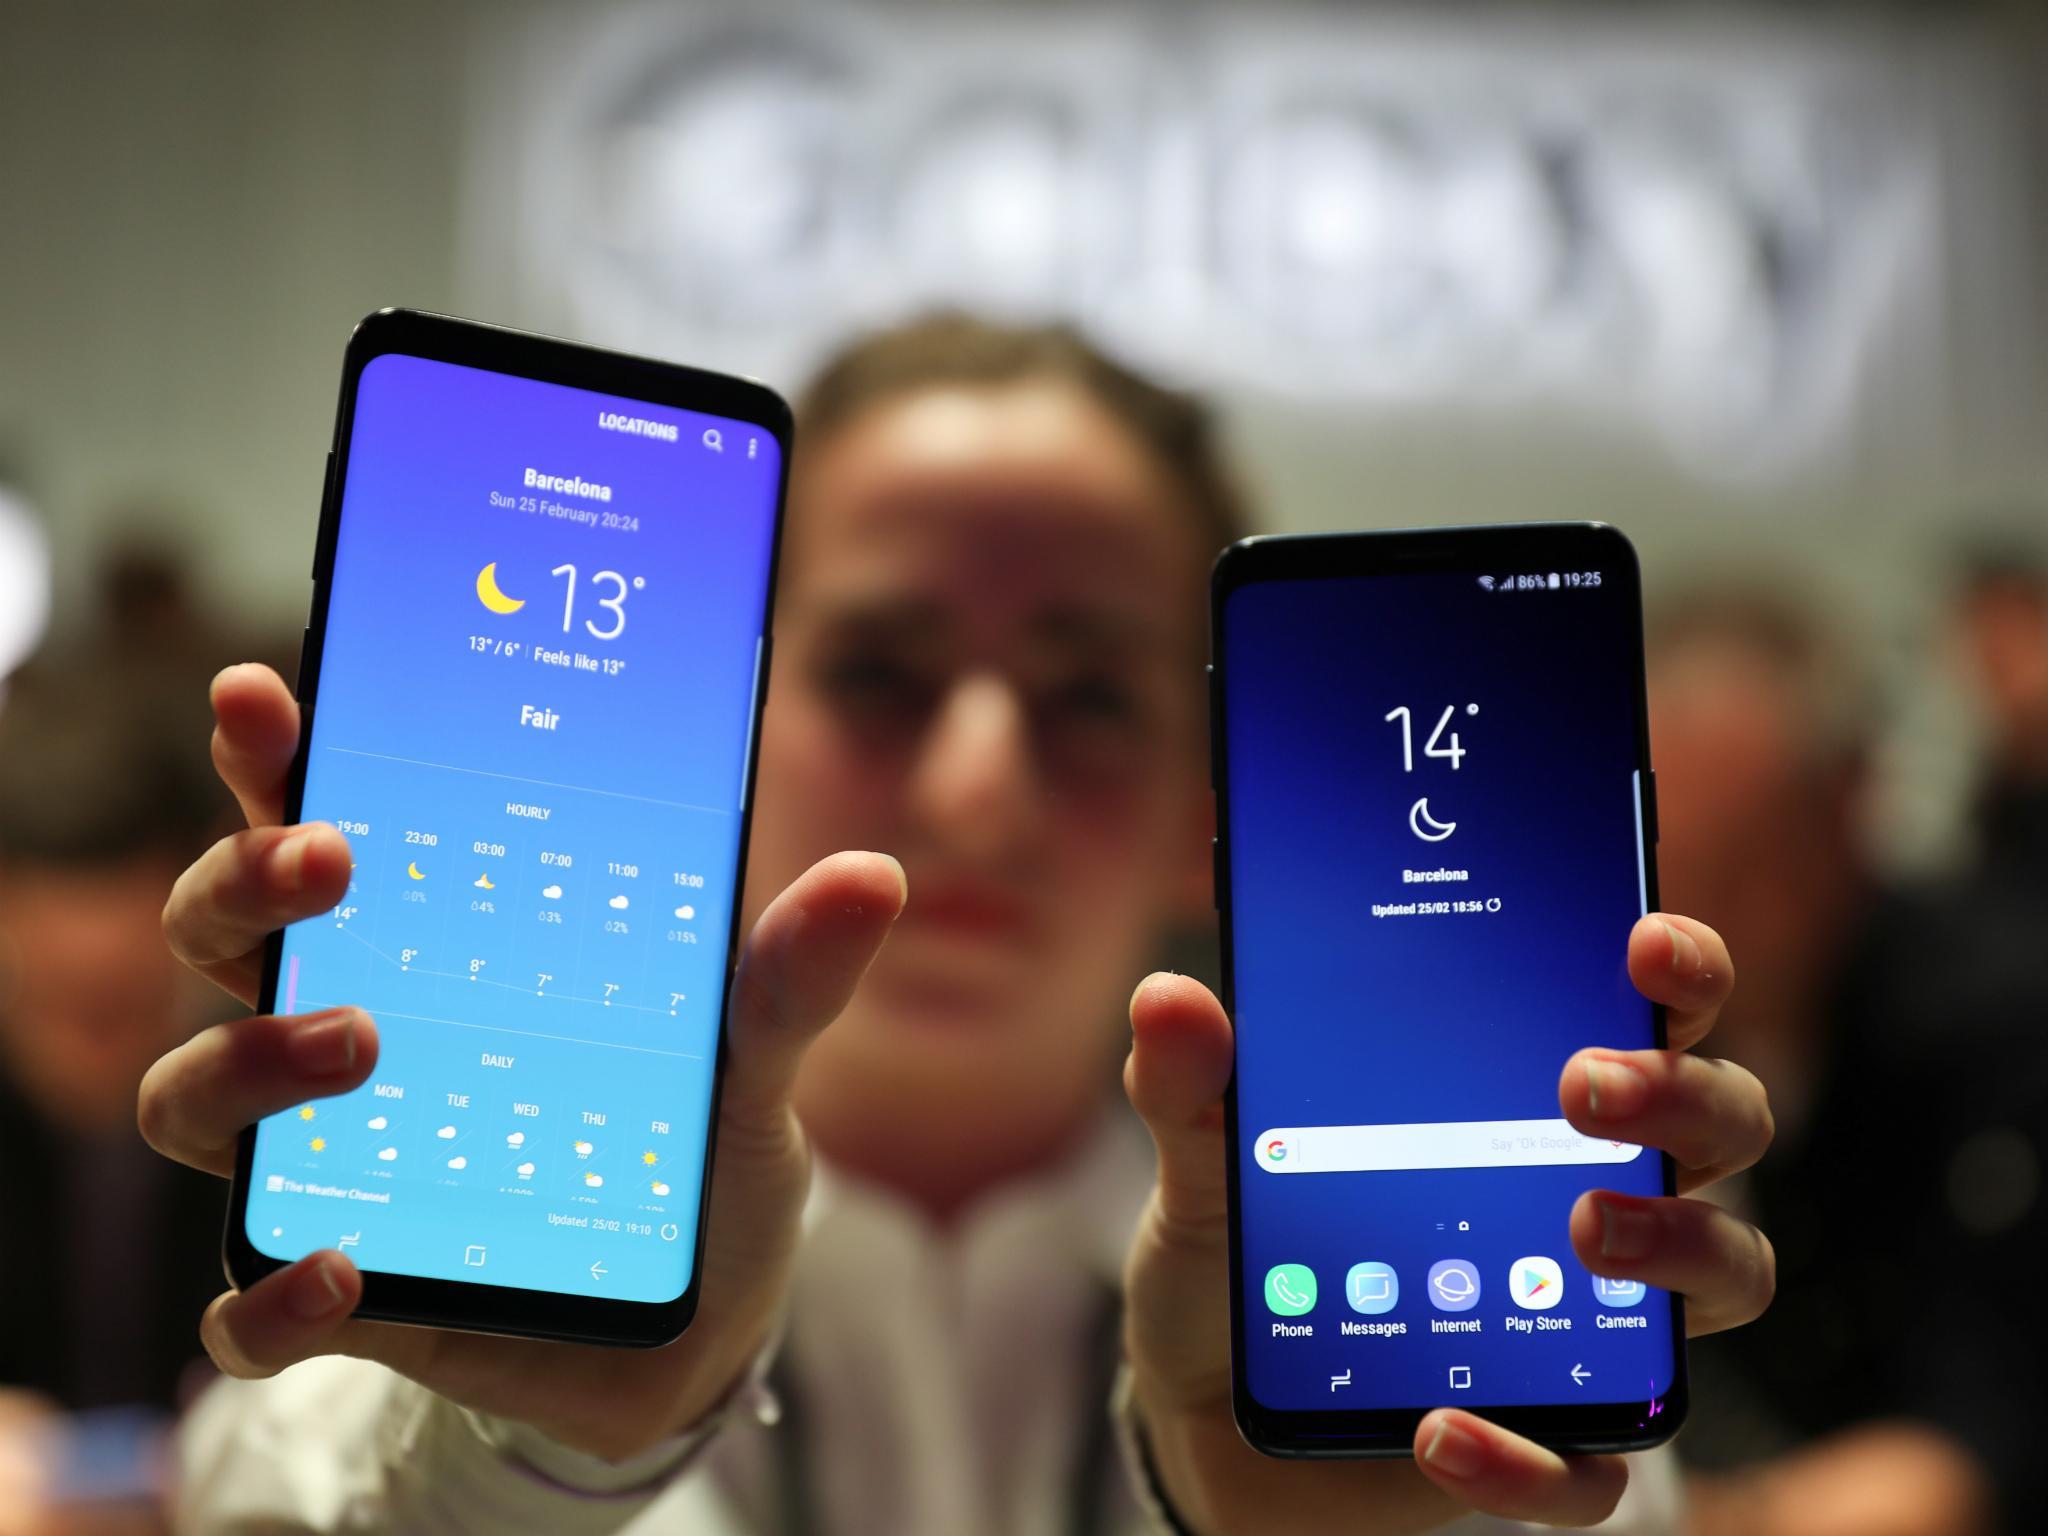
(1619, 1293)
(1372, 1287)
(1290, 1289)
(1536, 1283)
(1454, 1285)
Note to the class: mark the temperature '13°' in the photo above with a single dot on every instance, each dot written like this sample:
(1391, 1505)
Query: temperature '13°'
(611, 608)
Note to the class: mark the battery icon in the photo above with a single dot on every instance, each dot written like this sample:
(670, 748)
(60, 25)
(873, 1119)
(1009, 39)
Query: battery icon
(1555, 581)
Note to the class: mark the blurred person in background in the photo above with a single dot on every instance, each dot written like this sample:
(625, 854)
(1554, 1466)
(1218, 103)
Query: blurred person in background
(1955, 1064)
(990, 631)
(2001, 623)
(1762, 727)
(106, 1252)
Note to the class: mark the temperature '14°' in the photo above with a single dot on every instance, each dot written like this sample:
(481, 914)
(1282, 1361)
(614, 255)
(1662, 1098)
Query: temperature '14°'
(1454, 754)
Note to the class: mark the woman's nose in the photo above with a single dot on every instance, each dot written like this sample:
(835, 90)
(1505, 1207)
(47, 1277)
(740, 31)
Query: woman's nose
(975, 786)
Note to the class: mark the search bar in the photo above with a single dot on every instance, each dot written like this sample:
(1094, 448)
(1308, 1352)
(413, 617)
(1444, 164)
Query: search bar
(1444, 1144)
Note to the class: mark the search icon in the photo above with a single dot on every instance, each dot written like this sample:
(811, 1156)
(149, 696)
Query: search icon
(714, 440)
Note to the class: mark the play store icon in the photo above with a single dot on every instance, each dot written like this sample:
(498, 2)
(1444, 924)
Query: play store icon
(1536, 1283)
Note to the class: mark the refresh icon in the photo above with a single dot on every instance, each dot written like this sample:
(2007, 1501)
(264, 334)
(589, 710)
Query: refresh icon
(1426, 826)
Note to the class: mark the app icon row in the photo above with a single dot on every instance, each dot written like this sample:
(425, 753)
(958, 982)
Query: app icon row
(1453, 1285)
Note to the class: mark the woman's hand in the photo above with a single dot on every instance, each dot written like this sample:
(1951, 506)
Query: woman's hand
(800, 965)
(1711, 1116)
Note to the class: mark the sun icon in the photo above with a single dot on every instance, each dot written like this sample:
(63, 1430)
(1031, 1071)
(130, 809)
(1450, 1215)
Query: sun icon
(649, 1159)
(306, 1113)
(318, 1143)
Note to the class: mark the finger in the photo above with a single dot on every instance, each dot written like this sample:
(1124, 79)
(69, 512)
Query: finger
(196, 1100)
(255, 734)
(1725, 1268)
(1713, 1117)
(807, 953)
(1684, 965)
(245, 887)
(1489, 1469)
(284, 1318)
(1179, 1067)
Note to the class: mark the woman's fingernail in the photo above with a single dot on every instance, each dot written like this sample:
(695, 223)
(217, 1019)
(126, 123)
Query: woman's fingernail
(902, 879)
(1453, 1452)
(315, 1292)
(1685, 953)
(324, 1044)
(1614, 1090)
(288, 863)
(1627, 1232)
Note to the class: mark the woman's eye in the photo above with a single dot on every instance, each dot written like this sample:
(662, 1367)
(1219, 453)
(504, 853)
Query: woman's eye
(874, 681)
(1096, 700)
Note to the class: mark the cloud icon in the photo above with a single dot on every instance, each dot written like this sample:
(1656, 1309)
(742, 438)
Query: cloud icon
(594, 1180)
(458, 1163)
(525, 1170)
(659, 1187)
(583, 1149)
(378, 1122)
(516, 1139)
(552, 892)
(686, 913)
(446, 1133)
(388, 1155)
(618, 903)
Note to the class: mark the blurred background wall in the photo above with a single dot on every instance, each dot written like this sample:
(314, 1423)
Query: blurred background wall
(1764, 285)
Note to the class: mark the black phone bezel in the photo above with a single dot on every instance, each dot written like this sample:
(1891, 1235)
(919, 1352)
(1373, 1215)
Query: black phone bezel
(466, 1305)
(1390, 1432)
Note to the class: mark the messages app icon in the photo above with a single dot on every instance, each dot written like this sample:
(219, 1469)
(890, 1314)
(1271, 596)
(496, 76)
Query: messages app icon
(1372, 1287)
(1290, 1289)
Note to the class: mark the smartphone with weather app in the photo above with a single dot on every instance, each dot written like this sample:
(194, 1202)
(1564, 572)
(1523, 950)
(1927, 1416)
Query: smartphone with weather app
(1437, 825)
(530, 692)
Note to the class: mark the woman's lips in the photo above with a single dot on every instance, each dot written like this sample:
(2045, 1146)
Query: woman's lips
(968, 911)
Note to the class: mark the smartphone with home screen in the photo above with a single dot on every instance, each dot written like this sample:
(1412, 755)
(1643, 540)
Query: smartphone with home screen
(530, 689)
(1437, 827)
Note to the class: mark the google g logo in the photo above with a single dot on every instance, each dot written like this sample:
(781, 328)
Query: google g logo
(1276, 1151)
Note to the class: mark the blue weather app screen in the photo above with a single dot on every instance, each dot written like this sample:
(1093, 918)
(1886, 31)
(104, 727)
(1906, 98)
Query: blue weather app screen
(532, 724)
(1435, 861)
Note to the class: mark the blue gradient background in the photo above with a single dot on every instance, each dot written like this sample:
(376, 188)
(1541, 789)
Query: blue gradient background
(414, 729)
(1343, 1018)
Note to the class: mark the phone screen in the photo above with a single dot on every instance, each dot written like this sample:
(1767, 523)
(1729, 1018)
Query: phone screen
(1435, 855)
(533, 722)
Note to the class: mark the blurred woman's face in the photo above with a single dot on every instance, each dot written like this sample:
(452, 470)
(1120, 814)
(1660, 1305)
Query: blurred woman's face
(988, 663)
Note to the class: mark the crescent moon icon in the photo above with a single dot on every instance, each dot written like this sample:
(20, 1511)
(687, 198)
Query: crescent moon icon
(413, 872)
(1426, 826)
(488, 594)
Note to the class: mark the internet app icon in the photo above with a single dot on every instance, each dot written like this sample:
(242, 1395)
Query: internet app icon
(1619, 1293)
(1454, 1285)
(1372, 1287)
(1536, 1283)
(1290, 1289)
